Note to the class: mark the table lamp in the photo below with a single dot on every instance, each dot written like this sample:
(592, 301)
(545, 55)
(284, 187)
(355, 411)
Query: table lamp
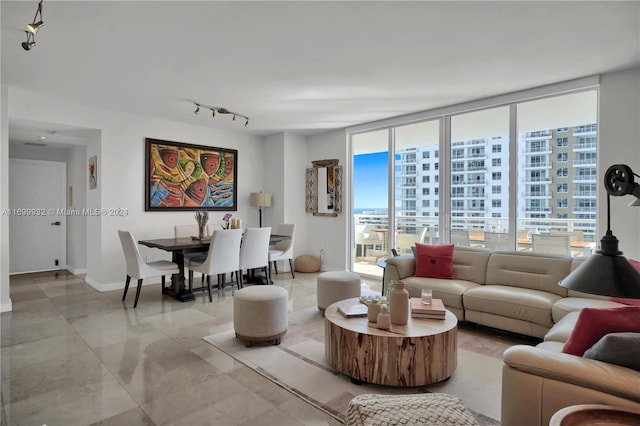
(607, 272)
(260, 200)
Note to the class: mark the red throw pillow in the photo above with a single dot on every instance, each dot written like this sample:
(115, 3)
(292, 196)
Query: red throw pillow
(434, 261)
(595, 323)
(624, 300)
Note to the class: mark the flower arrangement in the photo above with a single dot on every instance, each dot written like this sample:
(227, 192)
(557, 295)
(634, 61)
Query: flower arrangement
(226, 219)
(202, 217)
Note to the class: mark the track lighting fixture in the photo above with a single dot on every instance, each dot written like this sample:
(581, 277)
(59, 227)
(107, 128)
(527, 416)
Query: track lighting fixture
(31, 41)
(221, 110)
(33, 28)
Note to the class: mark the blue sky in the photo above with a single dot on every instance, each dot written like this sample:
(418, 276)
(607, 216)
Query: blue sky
(370, 180)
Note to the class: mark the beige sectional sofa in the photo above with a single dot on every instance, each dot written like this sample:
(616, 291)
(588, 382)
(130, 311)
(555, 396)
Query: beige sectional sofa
(519, 292)
(513, 291)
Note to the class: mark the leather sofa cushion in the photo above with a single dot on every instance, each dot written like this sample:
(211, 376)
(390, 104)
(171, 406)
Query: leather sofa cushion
(562, 329)
(574, 304)
(528, 271)
(470, 264)
(450, 291)
(512, 302)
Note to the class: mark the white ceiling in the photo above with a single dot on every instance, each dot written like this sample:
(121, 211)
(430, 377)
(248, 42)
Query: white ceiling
(306, 66)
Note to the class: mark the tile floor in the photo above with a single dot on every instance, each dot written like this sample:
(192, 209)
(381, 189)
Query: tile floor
(73, 356)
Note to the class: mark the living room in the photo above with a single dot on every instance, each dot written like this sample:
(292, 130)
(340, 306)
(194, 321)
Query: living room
(271, 163)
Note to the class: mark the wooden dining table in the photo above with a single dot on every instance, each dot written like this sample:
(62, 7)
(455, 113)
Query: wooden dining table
(178, 247)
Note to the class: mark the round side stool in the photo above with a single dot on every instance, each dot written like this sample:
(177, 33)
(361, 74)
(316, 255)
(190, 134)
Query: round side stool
(336, 285)
(307, 263)
(260, 313)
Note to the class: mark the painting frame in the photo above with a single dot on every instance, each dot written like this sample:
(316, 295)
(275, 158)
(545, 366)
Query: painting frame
(187, 177)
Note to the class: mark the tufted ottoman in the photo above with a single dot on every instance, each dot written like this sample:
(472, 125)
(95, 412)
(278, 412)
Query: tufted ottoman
(422, 409)
(260, 313)
(336, 285)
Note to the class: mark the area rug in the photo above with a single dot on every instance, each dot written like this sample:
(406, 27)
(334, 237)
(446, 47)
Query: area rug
(298, 364)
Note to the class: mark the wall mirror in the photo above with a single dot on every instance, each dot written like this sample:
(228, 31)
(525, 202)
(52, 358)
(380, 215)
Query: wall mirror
(324, 188)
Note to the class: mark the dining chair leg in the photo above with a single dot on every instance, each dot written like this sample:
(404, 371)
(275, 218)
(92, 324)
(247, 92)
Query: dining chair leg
(163, 283)
(240, 279)
(126, 287)
(191, 280)
(137, 293)
(238, 283)
(267, 274)
(275, 266)
(209, 288)
(291, 267)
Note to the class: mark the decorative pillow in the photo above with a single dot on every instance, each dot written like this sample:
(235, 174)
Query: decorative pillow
(617, 348)
(594, 323)
(434, 261)
(626, 301)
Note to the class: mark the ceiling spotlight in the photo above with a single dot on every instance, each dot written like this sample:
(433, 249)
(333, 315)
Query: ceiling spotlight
(197, 109)
(31, 41)
(35, 26)
(246, 123)
(234, 117)
(213, 112)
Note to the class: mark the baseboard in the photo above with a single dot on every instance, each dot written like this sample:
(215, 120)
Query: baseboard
(6, 307)
(74, 271)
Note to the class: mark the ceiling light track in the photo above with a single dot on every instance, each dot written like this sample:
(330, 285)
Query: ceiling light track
(221, 110)
(33, 28)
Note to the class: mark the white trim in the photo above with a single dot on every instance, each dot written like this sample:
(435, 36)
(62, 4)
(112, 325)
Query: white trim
(76, 271)
(578, 84)
(6, 307)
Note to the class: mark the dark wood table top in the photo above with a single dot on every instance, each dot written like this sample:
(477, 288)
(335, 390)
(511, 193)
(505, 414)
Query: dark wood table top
(189, 243)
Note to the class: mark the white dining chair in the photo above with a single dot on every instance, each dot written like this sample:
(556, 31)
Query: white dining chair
(254, 252)
(460, 237)
(138, 268)
(223, 257)
(283, 250)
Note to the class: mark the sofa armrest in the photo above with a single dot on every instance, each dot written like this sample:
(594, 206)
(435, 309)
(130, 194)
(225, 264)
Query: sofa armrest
(587, 373)
(399, 267)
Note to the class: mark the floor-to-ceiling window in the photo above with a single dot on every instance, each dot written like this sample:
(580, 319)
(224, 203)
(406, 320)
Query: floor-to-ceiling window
(370, 179)
(514, 175)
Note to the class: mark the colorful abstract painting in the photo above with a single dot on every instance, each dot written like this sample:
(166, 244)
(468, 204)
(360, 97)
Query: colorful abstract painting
(181, 176)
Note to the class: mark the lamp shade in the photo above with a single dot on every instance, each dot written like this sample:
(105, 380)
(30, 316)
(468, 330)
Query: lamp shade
(260, 199)
(606, 275)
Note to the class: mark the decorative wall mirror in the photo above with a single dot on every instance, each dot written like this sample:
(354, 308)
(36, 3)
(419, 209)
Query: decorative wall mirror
(323, 185)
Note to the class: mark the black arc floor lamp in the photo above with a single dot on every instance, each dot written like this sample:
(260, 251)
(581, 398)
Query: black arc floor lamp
(607, 272)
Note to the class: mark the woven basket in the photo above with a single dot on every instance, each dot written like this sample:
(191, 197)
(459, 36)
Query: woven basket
(307, 263)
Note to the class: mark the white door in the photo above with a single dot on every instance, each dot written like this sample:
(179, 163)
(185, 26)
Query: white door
(37, 223)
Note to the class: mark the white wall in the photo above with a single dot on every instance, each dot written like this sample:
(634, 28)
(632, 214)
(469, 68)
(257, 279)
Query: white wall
(120, 152)
(77, 177)
(5, 300)
(619, 143)
(330, 233)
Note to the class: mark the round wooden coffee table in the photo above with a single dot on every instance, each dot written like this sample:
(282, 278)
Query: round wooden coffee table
(420, 353)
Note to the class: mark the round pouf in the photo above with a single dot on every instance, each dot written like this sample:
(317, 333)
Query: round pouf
(307, 263)
(260, 313)
(337, 285)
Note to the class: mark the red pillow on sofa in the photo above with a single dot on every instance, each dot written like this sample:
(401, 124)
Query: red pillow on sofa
(434, 261)
(626, 301)
(594, 323)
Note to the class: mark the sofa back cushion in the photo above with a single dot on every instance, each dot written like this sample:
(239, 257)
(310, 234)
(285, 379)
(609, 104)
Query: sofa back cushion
(528, 270)
(470, 264)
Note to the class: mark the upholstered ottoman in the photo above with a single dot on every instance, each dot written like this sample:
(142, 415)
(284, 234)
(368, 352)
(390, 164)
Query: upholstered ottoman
(307, 263)
(422, 409)
(260, 313)
(336, 285)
